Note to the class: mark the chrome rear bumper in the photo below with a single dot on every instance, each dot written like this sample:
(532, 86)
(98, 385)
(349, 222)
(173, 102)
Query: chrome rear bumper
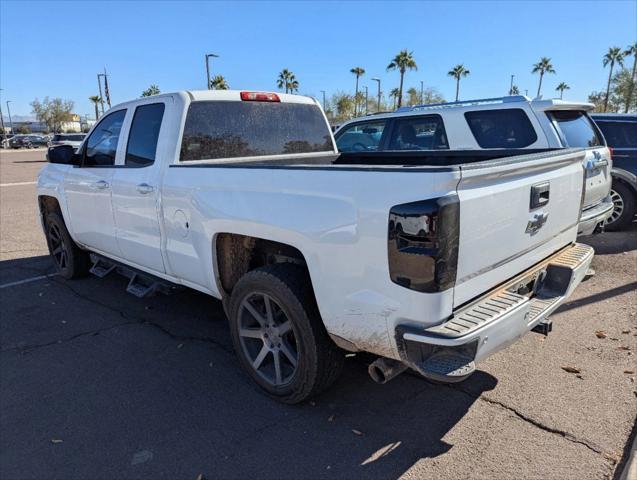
(501, 316)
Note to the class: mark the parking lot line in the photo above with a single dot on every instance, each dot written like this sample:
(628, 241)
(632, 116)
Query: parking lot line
(15, 184)
(27, 280)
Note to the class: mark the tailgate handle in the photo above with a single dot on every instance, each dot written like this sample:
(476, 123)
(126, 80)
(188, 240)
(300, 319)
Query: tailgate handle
(539, 195)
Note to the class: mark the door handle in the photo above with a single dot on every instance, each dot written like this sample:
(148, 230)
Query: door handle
(144, 188)
(102, 184)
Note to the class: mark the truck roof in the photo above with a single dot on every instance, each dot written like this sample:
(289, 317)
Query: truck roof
(484, 103)
(222, 95)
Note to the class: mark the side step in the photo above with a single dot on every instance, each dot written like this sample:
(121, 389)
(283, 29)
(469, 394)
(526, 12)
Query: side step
(101, 267)
(140, 284)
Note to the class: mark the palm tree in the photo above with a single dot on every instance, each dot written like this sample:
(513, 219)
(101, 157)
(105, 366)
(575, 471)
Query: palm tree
(96, 101)
(402, 62)
(288, 81)
(359, 72)
(152, 90)
(395, 94)
(543, 66)
(631, 50)
(293, 84)
(457, 72)
(613, 56)
(218, 82)
(561, 87)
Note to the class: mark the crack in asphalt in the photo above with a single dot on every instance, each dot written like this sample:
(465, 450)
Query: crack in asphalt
(140, 321)
(538, 424)
(129, 321)
(28, 348)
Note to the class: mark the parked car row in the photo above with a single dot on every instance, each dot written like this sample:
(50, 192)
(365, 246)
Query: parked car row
(517, 122)
(620, 132)
(37, 141)
(440, 240)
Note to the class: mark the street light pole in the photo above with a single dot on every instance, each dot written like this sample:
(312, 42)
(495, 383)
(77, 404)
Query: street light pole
(99, 85)
(366, 100)
(422, 88)
(10, 121)
(511, 88)
(376, 79)
(208, 55)
(323, 92)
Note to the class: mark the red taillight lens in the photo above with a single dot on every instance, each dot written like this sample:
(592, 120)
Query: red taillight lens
(259, 97)
(610, 149)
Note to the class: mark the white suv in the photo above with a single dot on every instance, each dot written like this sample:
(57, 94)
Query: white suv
(514, 122)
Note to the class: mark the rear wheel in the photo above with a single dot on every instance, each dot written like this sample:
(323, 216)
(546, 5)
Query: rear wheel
(623, 207)
(70, 260)
(278, 334)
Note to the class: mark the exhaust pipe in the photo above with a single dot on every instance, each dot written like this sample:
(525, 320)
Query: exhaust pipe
(382, 370)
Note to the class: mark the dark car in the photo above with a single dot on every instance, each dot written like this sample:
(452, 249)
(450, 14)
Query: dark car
(620, 131)
(28, 141)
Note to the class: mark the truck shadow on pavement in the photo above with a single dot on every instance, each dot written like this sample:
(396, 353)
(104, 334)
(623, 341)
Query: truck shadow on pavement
(99, 383)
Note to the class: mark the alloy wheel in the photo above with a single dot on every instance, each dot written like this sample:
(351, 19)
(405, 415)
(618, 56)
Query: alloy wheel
(267, 339)
(618, 207)
(59, 250)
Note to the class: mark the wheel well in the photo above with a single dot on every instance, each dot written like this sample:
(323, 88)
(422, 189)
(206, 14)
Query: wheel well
(48, 204)
(238, 254)
(624, 182)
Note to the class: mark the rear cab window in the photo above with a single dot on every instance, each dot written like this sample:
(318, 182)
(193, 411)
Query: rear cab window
(502, 128)
(229, 129)
(575, 128)
(361, 137)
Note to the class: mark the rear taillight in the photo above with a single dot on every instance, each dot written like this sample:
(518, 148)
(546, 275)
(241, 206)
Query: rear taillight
(610, 150)
(423, 244)
(259, 97)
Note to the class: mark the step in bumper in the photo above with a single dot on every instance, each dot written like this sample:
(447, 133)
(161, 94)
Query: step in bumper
(499, 318)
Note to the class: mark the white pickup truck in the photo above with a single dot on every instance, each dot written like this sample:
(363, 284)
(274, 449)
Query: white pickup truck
(430, 260)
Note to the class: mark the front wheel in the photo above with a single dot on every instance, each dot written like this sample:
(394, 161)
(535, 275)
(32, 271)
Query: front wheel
(69, 259)
(279, 336)
(623, 207)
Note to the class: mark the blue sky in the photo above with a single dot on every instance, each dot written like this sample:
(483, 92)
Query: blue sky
(56, 49)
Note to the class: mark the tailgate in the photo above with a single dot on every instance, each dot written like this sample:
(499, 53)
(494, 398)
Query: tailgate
(515, 212)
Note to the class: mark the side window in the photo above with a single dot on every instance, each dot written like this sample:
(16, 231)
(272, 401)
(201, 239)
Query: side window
(102, 144)
(504, 128)
(362, 137)
(619, 134)
(419, 133)
(144, 132)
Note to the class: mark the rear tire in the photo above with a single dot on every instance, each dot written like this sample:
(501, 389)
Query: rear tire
(279, 336)
(624, 207)
(69, 259)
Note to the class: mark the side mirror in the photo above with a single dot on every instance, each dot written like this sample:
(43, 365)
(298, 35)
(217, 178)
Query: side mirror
(63, 154)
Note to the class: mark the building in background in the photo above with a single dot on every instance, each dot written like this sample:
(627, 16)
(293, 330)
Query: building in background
(23, 124)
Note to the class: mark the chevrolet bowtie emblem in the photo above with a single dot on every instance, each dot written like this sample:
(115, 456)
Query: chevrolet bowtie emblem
(537, 222)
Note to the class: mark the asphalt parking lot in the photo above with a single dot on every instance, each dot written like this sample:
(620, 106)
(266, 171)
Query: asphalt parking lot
(95, 383)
